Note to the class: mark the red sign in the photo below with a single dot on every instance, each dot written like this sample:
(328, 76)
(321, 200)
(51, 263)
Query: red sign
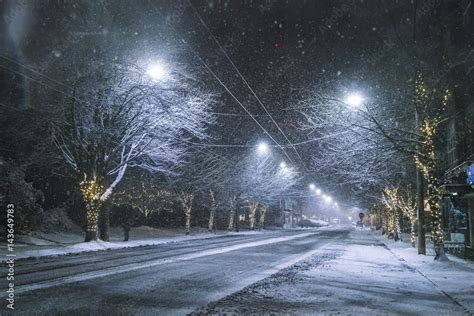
(361, 216)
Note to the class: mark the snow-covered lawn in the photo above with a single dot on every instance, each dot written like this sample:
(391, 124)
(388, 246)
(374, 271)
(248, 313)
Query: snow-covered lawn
(359, 275)
(54, 244)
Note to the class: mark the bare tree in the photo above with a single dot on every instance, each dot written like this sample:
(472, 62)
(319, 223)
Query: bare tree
(262, 181)
(120, 118)
(202, 173)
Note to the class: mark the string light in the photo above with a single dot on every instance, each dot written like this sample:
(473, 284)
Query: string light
(426, 163)
(91, 192)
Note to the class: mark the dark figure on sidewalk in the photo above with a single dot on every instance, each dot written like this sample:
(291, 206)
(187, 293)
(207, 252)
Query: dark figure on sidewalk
(126, 216)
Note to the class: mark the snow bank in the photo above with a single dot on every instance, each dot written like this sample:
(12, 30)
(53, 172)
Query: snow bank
(63, 243)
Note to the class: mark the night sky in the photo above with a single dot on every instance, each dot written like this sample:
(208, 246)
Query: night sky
(285, 50)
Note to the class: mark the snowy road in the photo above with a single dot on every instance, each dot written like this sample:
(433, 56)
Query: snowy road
(166, 279)
(358, 275)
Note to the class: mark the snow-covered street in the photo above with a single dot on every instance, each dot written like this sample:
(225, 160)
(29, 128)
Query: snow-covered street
(325, 271)
(358, 275)
(237, 157)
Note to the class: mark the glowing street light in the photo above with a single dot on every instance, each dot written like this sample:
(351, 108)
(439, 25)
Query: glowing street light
(312, 186)
(156, 71)
(328, 199)
(318, 191)
(283, 165)
(324, 196)
(262, 148)
(335, 203)
(354, 99)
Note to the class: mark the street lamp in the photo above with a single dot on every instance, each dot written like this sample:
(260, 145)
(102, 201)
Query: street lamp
(156, 71)
(328, 199)
(262, 148)
(354, 99)
(318, 191)
(335, 203)
(282, 165)
(312, 186)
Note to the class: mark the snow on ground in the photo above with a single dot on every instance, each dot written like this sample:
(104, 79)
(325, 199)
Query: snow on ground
(358, 276)
(54, 244)
(455, 277)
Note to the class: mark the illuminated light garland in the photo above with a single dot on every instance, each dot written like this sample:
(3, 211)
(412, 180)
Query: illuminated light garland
(91, 192)
(393, 215)
(427, 165)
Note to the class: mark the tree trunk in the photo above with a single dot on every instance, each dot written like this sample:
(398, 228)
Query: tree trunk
(187, 202)
(263, 211)
(213, 208)
(253, 214)
(90, 235)
(231, 219)
(237, 219)
(210, 225)
(398, 233)
(437, 233)
(104, 221)
(232, 203)
(188, 220)
(91, 191)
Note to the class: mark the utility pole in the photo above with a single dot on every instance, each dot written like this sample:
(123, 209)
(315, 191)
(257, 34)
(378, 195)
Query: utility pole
(420, 207)
(420, 203)
(420, 213)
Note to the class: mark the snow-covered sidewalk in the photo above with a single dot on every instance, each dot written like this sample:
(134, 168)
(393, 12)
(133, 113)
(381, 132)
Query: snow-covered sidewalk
(455, 278)
(55, 244)
(359, 275)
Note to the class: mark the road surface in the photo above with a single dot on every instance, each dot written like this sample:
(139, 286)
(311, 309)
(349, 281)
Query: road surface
(169, 279)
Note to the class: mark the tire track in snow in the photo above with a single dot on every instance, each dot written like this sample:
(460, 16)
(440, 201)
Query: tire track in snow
(133, 266)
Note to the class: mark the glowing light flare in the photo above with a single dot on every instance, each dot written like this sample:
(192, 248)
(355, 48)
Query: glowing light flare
(262, 148)
(156, 71)
(354, 99)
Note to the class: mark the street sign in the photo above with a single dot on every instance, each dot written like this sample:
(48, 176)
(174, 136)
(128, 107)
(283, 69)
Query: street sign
(361, 216)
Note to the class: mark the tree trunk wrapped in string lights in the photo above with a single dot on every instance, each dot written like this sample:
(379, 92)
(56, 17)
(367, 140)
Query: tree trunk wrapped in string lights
(408, 206)
(393, 218)
(91, 192)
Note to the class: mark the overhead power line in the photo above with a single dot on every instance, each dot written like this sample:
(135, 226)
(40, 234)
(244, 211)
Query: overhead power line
(244, 80)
